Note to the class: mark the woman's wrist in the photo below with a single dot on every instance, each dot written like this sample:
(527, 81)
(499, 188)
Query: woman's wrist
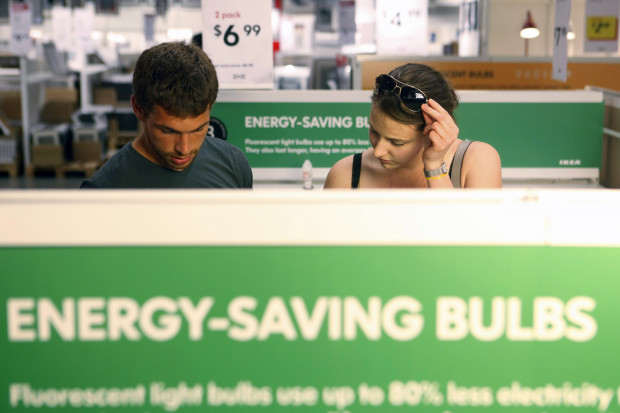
(436, 173)
(429, 166)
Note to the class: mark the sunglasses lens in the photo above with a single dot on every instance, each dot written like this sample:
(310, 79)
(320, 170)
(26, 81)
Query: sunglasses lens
(412, 98)
(384, 85)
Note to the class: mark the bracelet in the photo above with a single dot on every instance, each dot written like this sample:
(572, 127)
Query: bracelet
(428, 178)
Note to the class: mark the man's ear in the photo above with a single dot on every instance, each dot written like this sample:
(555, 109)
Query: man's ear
(137, 110)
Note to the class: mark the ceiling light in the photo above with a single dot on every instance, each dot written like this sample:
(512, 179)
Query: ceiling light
(529, 30)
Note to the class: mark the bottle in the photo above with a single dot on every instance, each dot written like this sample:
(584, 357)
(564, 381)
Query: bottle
(306, 171)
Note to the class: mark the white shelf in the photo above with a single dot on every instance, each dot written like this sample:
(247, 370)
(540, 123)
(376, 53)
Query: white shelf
(85, 86)
(34, 78)
(93, 69)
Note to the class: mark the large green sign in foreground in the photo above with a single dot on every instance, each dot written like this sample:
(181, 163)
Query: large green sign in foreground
(322, 329)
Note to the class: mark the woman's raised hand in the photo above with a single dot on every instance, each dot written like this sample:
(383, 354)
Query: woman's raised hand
(441, 131)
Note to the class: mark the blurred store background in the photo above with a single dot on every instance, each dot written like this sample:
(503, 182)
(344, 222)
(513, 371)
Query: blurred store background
(64, 102)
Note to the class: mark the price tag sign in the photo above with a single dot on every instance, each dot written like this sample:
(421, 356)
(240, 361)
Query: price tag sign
(62, 31)
(83, 27)
(20, 17)
(149, 28)
(560, 45)
(346, 18)
(237, 37)
(601, 26)
(402, 27)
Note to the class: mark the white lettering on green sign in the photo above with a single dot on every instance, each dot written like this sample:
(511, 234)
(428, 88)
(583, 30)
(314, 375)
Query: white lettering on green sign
(337, 318)
(552, 319)
(306, 122)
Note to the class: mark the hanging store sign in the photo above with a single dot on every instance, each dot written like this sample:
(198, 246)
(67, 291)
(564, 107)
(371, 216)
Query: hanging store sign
(62, 28)
(346, 18)
(83, 26)
(402, 27)
(602, 25)
(237, 37)
(469, 29)
(20, 18)
(560, 46)
(149, 28)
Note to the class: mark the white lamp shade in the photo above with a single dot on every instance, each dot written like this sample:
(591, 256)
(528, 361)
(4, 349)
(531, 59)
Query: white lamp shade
(529, 32)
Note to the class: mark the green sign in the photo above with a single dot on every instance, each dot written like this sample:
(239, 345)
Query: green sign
(537, 135)
(284, 135)
(321, 329)
(526, 135)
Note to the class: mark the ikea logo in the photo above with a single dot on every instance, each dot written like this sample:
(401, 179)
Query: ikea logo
(570, 162)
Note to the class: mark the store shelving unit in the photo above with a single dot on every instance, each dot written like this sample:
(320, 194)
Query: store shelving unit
(86, 98)
(31, 78)
(33, 96)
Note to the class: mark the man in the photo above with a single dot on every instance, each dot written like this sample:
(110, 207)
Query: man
(175, 86)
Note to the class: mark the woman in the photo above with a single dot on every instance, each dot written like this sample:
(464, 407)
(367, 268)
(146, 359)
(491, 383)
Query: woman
(415, 141)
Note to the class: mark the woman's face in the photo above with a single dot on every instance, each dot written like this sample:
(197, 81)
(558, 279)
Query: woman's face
(395, 144)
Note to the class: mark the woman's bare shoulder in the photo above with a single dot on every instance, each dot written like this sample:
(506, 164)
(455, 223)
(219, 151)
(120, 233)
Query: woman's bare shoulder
(479, 150)
(482, 166)
(339, 175)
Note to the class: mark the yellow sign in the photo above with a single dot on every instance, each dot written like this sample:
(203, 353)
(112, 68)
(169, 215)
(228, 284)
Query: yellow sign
(602, 28)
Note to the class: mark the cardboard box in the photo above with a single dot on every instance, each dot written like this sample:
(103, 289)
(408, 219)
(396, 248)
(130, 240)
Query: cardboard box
(47, 155)
(122, 84)
(11, 104)
(59, 104)
(105, 96)
(87, 151)
(61, 94)
(57, 112)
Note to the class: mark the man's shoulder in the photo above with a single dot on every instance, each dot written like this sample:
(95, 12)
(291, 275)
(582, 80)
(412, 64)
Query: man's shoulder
(114, 168)
(222, 148)
(122, 158)
(221, 144)
(220, 158)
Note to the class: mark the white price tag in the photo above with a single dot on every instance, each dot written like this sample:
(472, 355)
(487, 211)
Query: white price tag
(237, 37)
(601, 26)
(560, 46)
(62, 28)
(402, 27)
(83, 26)
(20, 18)
(346, 18)
(149, 28)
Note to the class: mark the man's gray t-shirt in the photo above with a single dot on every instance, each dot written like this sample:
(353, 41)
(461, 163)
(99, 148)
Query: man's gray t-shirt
(218, 164)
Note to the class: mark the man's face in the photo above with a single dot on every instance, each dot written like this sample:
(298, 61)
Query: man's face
(172, 142)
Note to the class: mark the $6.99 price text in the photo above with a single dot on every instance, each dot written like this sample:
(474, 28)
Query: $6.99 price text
(231, 37)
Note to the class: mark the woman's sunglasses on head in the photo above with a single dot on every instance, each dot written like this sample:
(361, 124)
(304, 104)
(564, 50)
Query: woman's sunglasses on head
(411, 99)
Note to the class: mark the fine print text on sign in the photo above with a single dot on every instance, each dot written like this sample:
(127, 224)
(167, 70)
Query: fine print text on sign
(245, 393)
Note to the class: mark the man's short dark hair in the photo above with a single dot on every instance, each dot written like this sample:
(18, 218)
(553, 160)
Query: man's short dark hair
(176, 76)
